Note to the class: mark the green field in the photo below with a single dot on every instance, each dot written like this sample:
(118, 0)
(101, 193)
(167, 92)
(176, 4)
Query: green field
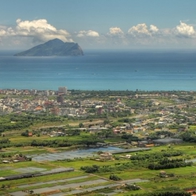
(181, 179)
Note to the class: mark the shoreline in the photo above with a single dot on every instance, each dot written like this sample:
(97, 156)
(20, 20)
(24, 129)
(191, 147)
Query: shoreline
(80, 90)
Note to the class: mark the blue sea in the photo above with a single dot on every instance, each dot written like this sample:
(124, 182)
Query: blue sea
(102, 70)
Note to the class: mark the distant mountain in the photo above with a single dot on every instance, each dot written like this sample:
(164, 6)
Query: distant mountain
(54, 47)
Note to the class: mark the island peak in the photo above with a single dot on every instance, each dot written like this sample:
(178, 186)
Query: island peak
(54, 47)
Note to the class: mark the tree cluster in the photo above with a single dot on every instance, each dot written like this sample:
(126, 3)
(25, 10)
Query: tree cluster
(107, 168)
(189, 136)
(132, 187)
(13, 121)
(90, 169)
(168, 164)
(162, 160)
(156, 156)
(114, 177)
(51, 143)
(166, 193)
(129, 137)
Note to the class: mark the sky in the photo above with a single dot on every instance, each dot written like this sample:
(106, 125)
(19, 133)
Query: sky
(99, 24)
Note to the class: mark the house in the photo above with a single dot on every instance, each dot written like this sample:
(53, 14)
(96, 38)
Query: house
(39, 108)
(163, 174)
(106, 156)
(5, 161)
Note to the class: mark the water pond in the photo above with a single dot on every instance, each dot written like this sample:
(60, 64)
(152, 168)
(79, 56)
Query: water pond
(74, 154)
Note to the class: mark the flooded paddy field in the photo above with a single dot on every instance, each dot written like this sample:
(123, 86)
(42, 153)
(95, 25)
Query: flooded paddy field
(82, 153)
(88, 185)
(52, 182)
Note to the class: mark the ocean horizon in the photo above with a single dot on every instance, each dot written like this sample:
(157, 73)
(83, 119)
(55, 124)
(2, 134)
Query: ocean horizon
(102, 70)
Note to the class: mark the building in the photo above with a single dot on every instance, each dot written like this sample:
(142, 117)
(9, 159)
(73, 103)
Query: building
(60, 98)
(62, 90)
(99, 109)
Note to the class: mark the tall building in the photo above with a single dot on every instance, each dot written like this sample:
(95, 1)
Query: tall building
(60, 98)
(99, 109)
(62, 90)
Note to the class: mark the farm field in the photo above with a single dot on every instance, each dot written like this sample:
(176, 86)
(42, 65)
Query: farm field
(78, 181)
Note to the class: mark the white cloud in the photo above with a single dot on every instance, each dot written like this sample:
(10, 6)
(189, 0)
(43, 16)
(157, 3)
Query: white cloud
(152, 36)
(26, 32)
(92, 33)
(115, 37)
(2, 32)
(139, 29)
(40, 30)
(153, 29)
(116, 31)
(34, 25)
(143, 30)
(185, 30)
(89, 33)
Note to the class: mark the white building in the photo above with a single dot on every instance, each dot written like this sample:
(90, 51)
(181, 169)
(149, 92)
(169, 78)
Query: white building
(62, 90)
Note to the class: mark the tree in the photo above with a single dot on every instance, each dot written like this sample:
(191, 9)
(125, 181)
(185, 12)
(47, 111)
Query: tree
(133, 187)
(81, 125)
(114, 177)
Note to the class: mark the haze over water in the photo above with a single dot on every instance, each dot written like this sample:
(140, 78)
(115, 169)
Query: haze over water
(102, 70)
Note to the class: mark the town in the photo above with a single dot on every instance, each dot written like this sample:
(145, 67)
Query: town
(39, 129)
(145, 111)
